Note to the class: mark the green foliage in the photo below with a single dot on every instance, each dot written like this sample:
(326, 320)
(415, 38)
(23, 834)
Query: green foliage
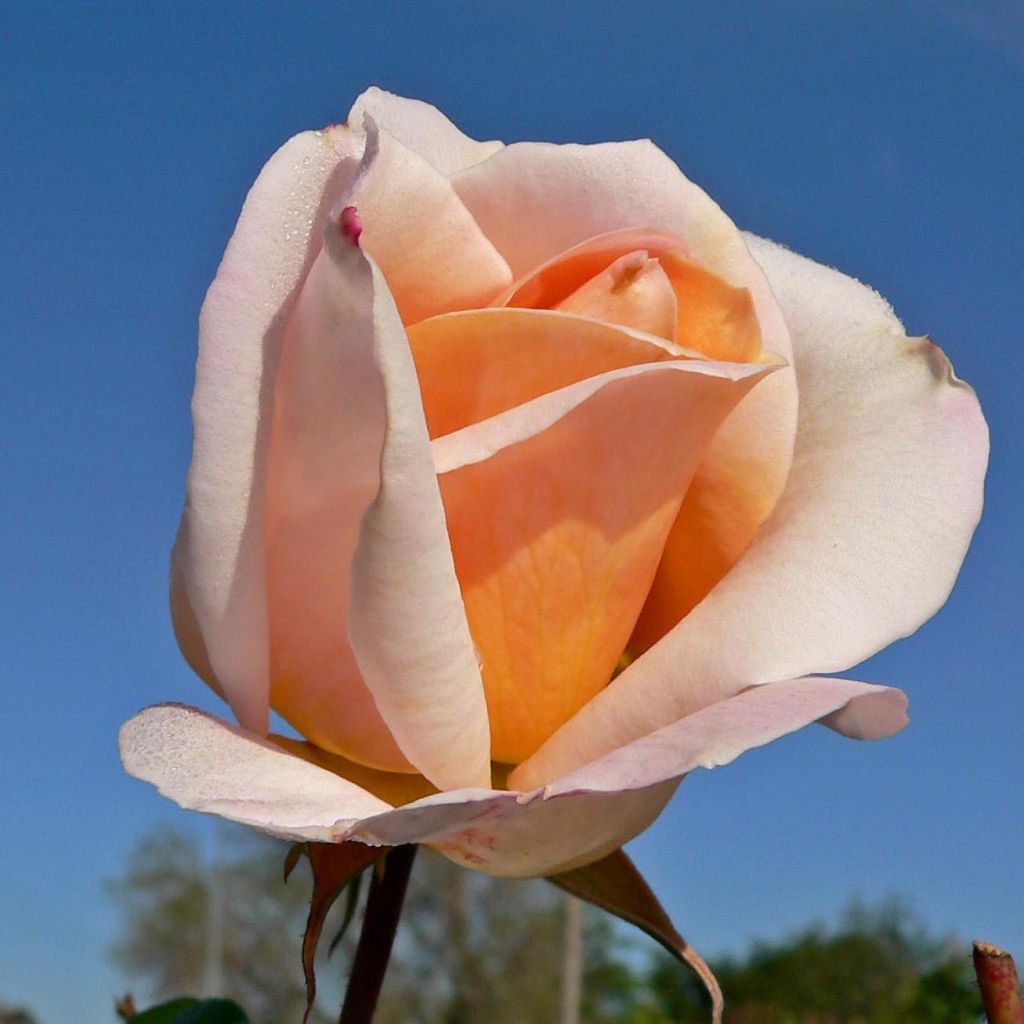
(193, 1011)
(879, 966)
(169, 895)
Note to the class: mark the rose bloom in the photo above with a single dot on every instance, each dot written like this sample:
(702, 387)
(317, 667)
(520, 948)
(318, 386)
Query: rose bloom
(523, 484)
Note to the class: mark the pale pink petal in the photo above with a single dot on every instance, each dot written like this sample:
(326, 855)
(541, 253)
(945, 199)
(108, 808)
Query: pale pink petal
(721, 732)
(882, 500)
(219, 552)
(205, 764)
(406, 618)
(421, 128)
(353, 484)
(432, 253)
(323, 472)
(516, 835)
(535, 200)
(186, 626)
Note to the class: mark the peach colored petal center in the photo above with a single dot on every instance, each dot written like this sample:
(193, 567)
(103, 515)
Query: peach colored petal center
(479, 363)
(557, 536)
(712, 316)
(645, 280)
(554, 281)
(633, 291)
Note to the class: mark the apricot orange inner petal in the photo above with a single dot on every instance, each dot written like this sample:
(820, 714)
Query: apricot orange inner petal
(729, 499)
(396, 788)
(633, 291)
(552, 282)
(714, 317)
(557, 537)
(476, 364)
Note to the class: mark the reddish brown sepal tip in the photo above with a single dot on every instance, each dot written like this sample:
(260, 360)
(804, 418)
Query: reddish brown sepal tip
(351, 224)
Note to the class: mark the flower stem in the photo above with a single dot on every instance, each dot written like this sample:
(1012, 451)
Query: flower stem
(1000, 988)
(380, 922)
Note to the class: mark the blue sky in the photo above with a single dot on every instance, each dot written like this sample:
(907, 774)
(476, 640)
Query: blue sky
(887, 140)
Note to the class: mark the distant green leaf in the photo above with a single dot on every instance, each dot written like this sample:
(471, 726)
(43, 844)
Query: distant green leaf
(166, 1013)
(193, 1011)
(214, 1011)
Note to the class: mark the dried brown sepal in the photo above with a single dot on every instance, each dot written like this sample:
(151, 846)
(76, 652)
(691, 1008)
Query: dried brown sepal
(292, 857)
(125, 1007)
(334, 865)
(615, 885)
(352, 890)
(999, 984)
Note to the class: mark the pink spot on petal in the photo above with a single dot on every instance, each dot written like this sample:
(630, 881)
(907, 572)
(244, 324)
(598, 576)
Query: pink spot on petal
(351, 224)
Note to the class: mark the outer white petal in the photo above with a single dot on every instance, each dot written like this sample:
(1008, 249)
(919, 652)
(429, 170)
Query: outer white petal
(219, 565)
(406, 620)
(423, 129)
(719, 733)
(205, 764)
(219, 558)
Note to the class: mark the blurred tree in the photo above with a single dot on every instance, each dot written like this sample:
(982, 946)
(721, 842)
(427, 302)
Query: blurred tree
(224, 925)
(15, 1015)
(879, 966)
(471, 949)
(478, 950)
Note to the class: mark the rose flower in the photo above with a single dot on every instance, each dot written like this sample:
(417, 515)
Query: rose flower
(524, 483)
